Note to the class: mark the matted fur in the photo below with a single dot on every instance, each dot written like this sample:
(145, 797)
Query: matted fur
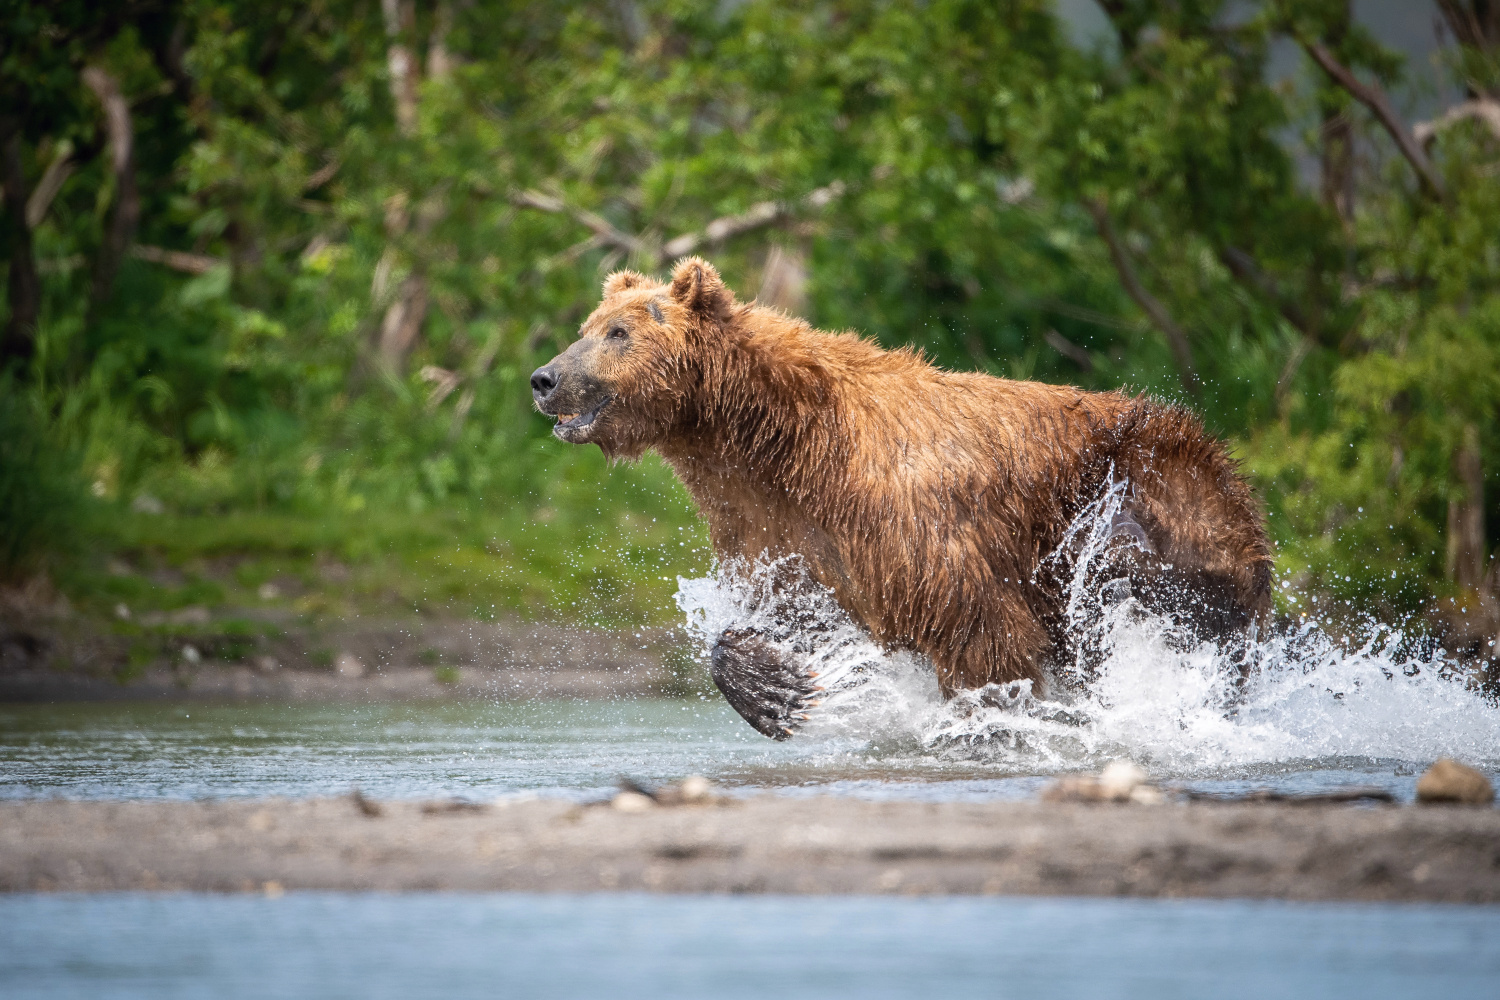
(924, 499)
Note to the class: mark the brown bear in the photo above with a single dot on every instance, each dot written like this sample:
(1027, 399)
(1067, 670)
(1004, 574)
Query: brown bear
(926, 500)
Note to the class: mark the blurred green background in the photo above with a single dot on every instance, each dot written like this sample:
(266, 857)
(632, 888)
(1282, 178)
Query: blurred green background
(276, 272)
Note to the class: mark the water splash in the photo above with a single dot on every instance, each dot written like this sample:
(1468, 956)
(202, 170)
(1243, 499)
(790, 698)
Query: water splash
(1148, 690)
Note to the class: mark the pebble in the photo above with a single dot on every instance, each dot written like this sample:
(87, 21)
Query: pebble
(632, 802)
(1119, 778)
(1448, 781)
(696, 788)
(1120, 781)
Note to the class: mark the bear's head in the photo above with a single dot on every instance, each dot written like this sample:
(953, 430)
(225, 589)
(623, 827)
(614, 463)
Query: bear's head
(625, 382)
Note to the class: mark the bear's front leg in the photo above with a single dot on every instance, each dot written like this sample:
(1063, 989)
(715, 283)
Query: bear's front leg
(759, 682)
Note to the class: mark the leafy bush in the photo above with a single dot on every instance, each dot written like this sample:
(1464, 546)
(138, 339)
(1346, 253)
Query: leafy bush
(44, 508)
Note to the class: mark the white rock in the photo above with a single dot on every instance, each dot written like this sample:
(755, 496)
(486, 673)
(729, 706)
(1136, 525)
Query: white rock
(1119, 779)
(191, 655)
(632, 802)
(1449, 781)
(696, 788)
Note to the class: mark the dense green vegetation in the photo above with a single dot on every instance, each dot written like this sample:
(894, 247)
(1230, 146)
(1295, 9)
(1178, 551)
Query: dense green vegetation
(276, 272)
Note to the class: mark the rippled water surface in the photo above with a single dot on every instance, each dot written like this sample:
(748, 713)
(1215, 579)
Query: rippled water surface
(487, 750)
(330, 945)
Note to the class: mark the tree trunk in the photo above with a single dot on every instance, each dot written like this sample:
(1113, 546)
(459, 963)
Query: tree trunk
(401, 326)
(400, 23)
(1374, 97)
(1338, 163)
(403, 322)
(1466, 549)
(1475, 23)
(126, 215)
(1337, 134)
(783, 283)
(439, 60)
(24, 290)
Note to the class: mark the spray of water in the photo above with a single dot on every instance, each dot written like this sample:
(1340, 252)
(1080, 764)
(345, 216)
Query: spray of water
(1147, 690)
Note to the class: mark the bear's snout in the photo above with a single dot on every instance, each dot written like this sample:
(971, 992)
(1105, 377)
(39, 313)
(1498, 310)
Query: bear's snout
(543, 383)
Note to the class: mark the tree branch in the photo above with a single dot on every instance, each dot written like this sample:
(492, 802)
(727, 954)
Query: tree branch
(1248, 273)
(1182, 350)
(321, 176)
(52, 180)
(177, 260)
(762, 214)
(1062, 345)
(600, 226)
(127, 209)
(757, 216)
(1374, 97)
(1485, 110)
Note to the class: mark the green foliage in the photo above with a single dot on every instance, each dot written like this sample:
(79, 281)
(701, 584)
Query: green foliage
(255, 396)
(43, 504)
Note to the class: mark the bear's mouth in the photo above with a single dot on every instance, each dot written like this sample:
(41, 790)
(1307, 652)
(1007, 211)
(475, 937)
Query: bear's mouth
(571, 427)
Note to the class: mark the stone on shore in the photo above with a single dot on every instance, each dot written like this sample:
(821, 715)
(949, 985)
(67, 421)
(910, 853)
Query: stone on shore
(1449, 782)
(1120, 781)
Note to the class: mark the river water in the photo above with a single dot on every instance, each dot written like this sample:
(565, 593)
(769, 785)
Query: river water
(331, 945)
(574, 749)
(1295, 711)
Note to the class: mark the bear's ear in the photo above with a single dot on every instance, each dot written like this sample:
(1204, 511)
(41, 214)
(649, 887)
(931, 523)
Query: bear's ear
(696, 285)
(623, 281)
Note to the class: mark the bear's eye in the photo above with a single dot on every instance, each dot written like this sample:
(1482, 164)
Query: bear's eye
(616, 333)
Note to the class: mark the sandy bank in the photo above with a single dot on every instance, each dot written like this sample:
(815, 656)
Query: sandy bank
(764, 844)
(216, 682)
(412, 660)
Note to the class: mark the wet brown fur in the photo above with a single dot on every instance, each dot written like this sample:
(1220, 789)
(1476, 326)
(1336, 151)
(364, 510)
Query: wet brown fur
(923, 498)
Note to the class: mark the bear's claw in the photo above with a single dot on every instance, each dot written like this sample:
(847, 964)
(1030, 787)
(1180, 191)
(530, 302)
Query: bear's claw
(770, 693)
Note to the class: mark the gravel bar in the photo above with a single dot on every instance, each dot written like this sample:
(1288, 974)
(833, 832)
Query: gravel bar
(765, 844)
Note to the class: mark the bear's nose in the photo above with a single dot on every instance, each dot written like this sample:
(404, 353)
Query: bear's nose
(543, 381)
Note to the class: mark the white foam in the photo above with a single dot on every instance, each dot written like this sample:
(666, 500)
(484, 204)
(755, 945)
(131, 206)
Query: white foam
(1303, 699)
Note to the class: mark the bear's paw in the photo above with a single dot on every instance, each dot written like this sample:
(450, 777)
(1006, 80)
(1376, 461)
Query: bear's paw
(770, 692)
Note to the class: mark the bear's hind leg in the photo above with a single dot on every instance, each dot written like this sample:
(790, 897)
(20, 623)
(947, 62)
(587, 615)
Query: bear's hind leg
(761, 683)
